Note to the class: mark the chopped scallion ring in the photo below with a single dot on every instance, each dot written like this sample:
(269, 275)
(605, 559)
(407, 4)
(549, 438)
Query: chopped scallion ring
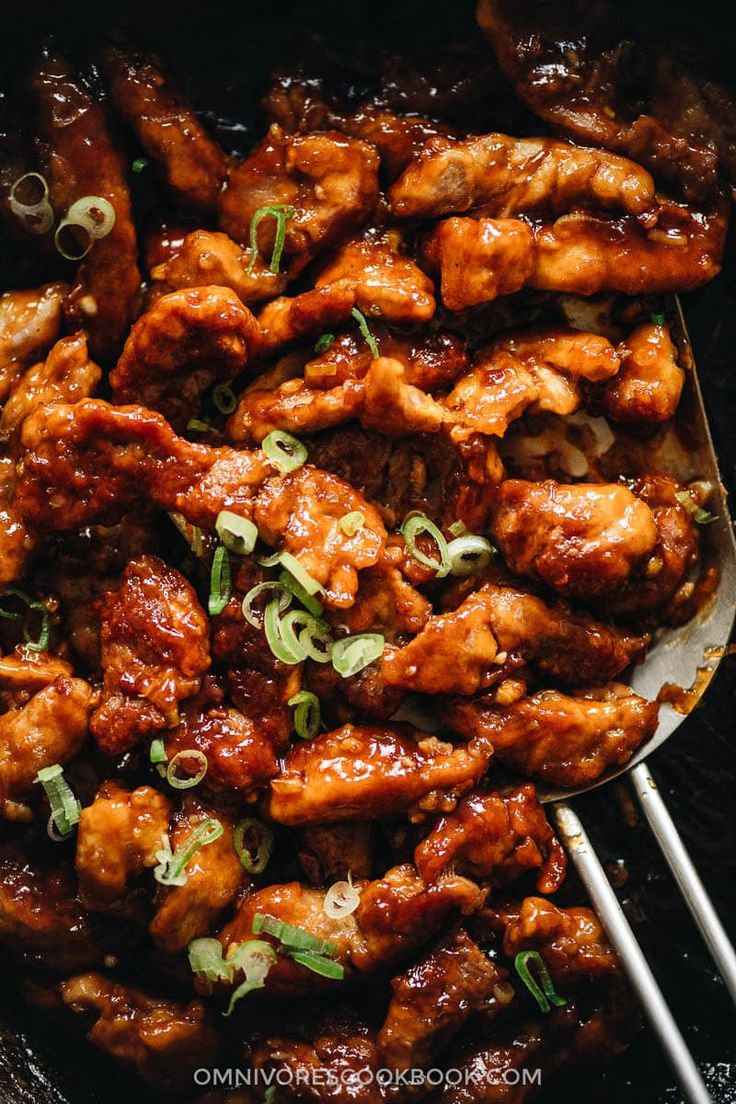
(341, 900)
(323, 343)
(325, 967)
(253, 841)
(35, 606)
(33, 207)
(291, 937)
(285, 452)
(94, 213)
(353, 653)
(469, 554)
(220, 579)
(305, 580)
(73, 245)
(171, 869)
(238, 534)
(196, 425)
(282, 596)
(458, 529)
(366, 333)
(316, 642)
(293, 623)
(65, 808)
(546, 995)
(158, 751)
(658, 319)
(697, 513)
(412, 526)
(274, 636)
(281, 212)
(207, 962)
(255, 958)
(351, 523)
(224, 398)
(307, 600)
(307, 714)
(186, 783)
(140, 164)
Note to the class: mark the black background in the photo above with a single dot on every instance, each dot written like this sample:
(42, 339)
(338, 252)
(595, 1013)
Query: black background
(225, 52)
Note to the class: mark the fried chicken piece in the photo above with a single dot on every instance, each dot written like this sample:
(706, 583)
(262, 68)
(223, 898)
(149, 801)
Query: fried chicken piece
(214, 876)
(24, 673)
(586, 540)
(571, 941)
(365, 772)
(300, 513)
(50, 728)
(332, 1067)
(118, 837)
(563, 739)
(286, 320)
(42, 922)
(154, 649)
(163, 1041)
(334, 852)
(395, 407)
(187, 341)
(79, 159)
(386, 603)
(480, 259)
(493, 1070)
(510, 176)
(145, 96)
(455, 653)
(331, 182)
(30, 323)
(16, 539)
(206, 258)
(296, 407)
(649, 384)
(66, 375)
(495, 836)
(240, 752)
(398, 138)
(433, 999)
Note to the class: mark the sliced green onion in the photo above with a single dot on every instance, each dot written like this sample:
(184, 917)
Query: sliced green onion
(140, 164)
(283, 601)
(351, 523)
(186, 783)
(323, 343)
(196, 425)
(269, 1096)
(281, 212)
(365, 332)
(207, 961)
(469, 554)
(353, 653)
(325, 967)
(294, 587)
(292, 565)
(38, 215)
(458, 529)
(412, 526)
(316, 642)
(65, 808)
(158, 751)
(224, 398)
(285, 452)
(255, 851)
(33, 201)
(94, 214)
(658, 319)
(341, 900)
(546, 995)
(291, 937)
(270, 561)
(292, 623)
(697, 513)
(307, 715)
(67, 242)
(274, 637)
(220, 579)
(171, 869)
(238, 534)
(255, 958)
(197, 541)
(34, 605)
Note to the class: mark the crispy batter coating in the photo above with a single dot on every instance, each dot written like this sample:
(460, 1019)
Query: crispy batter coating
(205, 258)
(16, 540)
(30, 322)
(154, 649)
(649, 384)
(66, 375)
(496, 837)
(186, 342)
(572, 941)
(480, 259)
(147, 98)
(387, 284)
(240, 752)
(80, 159)
(334, 852)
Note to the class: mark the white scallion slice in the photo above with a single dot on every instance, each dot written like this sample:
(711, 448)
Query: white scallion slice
(189, 756)
(353, 653)
(469, 554)
(171, 869)
(413, 525)
(238, 534)
(352, 523)
(286, 452)
(341, 900)
(95, 213)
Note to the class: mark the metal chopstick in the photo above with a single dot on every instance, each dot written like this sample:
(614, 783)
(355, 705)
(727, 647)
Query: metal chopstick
(692, 889)
(617, 927)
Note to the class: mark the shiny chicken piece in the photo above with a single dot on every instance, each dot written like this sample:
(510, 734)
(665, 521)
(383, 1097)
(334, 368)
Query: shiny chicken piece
(206, 258)
(496, 837)
(66, 375)
(649, 384)
(80, 159)
(154, 651)
(240, 752)
(30, 322)
(571, 941)
(334, 852)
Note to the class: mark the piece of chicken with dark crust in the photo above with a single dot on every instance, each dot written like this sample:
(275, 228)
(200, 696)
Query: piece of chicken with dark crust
(571, 940)
(362, 772)
(433, 999)
(118, 836)
(145, 96)
(206, 258)
(586, 540)
(164, 1041)
(496, 837)
(504, 177)
(30, 323)
(66, 375)
(79, 158)
(562, 739)
(334, 852)
(187, 341)
(154, 642)
(647, 388)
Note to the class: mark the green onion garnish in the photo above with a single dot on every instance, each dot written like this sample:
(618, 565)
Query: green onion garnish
(253, 841)
(255, 958)
(206, 960)
(366, 333)
(196, 425)
(186, 783)
(281, 212)
(658, 319)
(238, 534)
(458, 529)
(158, 755)
(274, 637)
(323, 343)
(697, 513)
(546, 995)
(269, 1096)
(469, 554)
(33, 604)
(306, 714)
(34, 210)
(351, 523)
(140, 164)
(353, 653)
(308, 600)
(325, 967)
(291, 937)
(65, 808)
(412, 526)
(224, 398)
(219, 582)
(171, 869)
(305, 580)
(285, 452)
(283, 601)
